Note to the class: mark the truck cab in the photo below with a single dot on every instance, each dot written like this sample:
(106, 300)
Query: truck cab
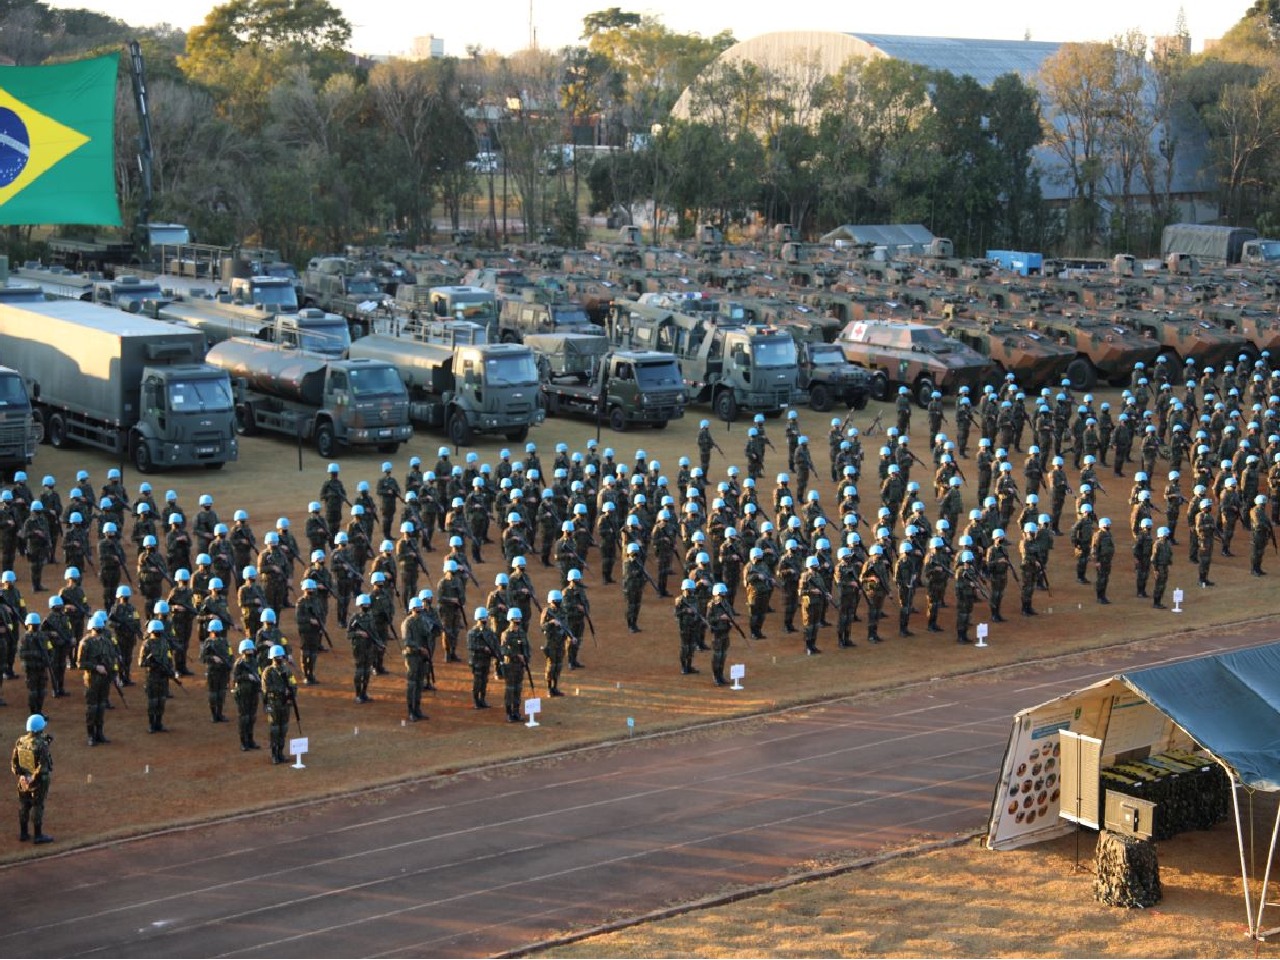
(126, 292)
(535, 314)
(19, 433)
(727, 364)
(272, 294)
(465, 302)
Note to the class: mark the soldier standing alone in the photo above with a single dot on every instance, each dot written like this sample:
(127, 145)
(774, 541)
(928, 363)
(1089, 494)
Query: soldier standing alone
(32, 764)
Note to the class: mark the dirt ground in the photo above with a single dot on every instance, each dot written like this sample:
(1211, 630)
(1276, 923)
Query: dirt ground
(971, 902)
(140, 782)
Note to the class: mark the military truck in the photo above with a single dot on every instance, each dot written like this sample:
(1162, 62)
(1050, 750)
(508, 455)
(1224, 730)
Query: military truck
(1033, 358)
(915, 355)
(122, 383)
(59, 283)
(581, 374)
(533, 313)
(456, 302)
(332, 403)
(829, 378)
(126, 292)
(19, 430)
(1209, 244)
(458, 381)
(1104, 350)
(334, 285)
(730, 365)
(270, 294)
(221, 319)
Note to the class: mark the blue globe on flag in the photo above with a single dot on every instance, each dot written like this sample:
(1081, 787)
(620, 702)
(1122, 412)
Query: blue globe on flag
(15, 146)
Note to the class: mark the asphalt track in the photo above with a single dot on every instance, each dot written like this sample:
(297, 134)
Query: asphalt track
(491, 860)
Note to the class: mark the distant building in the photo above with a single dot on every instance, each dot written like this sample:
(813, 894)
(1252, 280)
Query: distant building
(1178, 45)
(427, 47)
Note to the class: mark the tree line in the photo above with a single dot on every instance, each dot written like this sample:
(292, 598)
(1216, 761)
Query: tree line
(266, 128)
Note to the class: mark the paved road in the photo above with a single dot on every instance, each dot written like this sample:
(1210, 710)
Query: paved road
(487, 861)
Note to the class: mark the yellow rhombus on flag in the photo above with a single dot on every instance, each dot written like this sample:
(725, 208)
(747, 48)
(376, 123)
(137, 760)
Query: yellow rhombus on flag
(57, 150)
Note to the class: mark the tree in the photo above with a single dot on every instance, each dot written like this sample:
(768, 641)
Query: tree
(656, 62)
(1133, 122)
(407, 96)
(1015, 126)
(1077, 82)
(245, 47)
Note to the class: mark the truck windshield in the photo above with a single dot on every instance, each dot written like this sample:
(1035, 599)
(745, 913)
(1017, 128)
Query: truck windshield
(477, 311)
(331, 339)
(204, 396)
(375, 381)
(569, 315)
(658, 374)
(774, 352)
(827, 358)
(277, 295)
(363, 287)
(510, 371)
(12, 392)
(1269, 249)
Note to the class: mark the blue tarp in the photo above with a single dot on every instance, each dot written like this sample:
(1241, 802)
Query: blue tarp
(1229, 703)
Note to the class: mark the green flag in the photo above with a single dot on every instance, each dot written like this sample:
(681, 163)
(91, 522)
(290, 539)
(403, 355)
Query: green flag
(57, 146)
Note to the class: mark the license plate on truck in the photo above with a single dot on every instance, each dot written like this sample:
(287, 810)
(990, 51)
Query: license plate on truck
(384, 432)
(206, 451)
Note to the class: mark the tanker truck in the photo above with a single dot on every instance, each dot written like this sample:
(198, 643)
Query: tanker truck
(459, 381)
(121, 383)
(332, 403)
(309, 329)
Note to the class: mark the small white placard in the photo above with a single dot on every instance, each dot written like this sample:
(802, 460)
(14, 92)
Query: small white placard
(297, 747)
(983, 632)
(1177, 601)
(736, 672)
(533, 706)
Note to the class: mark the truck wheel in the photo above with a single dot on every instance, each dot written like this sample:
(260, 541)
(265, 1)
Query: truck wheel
(519, 435)
(879, 387)
(40, 425)
(1081, 374)
(142, 455)
(924, 391)
(859, 400)
(246, 426)
(618, 420)
(459, 429)
(660, 424)
(820, 397)
(57, 431)
(325, 442)
(726, 406)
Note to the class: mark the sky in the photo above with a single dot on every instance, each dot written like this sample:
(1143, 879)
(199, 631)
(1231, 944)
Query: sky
(387, 26)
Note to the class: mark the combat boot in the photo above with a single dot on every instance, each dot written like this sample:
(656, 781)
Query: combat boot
(962, 636)
(933, 625)
(23, 833)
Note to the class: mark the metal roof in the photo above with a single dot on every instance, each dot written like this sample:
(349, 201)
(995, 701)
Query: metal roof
(984, 60)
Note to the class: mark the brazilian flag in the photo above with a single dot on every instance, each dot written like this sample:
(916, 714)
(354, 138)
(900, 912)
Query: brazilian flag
(57, 149)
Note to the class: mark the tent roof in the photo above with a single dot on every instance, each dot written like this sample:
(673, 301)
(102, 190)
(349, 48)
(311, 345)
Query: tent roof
(1229, 703)
(882, 234)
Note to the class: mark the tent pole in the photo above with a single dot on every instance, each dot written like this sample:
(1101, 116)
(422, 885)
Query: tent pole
(1244, 867)
(1266, 876)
